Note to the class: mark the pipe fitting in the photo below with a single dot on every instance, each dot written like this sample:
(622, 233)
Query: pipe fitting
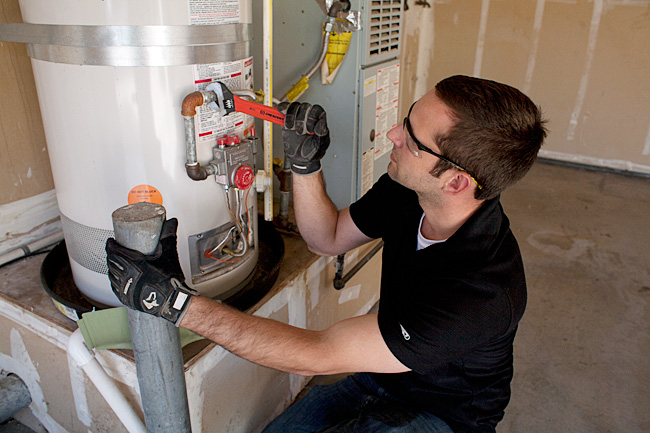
(263, 182)
(85, 358)
(191, 101)
(197, 99)
(338, 6)
(197, 172)
(209, 96)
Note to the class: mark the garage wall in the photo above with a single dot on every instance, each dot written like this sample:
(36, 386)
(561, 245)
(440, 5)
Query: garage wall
(28, 207)
(24, 163)
(586, 63)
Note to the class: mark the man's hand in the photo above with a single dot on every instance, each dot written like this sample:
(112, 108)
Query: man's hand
(153, 283)
(305, 136)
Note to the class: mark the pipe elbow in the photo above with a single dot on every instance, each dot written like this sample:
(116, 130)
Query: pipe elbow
(197, 172)
(78, 350)
(191, 101)
(339, 6)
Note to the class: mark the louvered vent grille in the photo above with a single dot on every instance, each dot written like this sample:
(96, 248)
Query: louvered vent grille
(384, 30)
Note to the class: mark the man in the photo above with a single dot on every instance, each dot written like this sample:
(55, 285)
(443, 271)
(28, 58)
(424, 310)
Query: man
(438, 356)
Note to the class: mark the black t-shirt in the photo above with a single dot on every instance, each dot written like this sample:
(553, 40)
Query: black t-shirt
(449, 312)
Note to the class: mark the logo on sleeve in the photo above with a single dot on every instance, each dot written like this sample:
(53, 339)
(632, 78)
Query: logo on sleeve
(406, 335)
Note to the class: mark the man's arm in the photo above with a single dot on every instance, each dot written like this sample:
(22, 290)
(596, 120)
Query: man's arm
(326, 230)
(352, 345)
(349, 346)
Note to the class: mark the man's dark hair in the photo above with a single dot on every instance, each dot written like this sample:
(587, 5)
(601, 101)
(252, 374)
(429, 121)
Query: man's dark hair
(497, 134)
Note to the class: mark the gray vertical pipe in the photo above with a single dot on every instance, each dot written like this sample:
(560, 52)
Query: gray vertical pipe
(14, 396)
(156, 342)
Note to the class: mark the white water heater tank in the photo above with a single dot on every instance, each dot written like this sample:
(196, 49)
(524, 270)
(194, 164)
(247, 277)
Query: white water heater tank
(111, 76)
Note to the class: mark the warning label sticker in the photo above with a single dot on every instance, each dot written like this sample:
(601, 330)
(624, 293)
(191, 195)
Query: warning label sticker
(145, 193)
(367, 171)
(235, 75)
(387, 88)
(209, 12)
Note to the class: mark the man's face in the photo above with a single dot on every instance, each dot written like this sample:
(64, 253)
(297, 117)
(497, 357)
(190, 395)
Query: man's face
(429, 118)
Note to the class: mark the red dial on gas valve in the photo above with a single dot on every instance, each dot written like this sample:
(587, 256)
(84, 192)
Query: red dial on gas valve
(244, 177)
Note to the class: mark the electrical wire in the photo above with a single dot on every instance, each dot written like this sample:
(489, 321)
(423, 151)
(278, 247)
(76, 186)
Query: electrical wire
(240, 224)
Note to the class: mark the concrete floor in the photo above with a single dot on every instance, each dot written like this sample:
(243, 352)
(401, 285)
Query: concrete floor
(582, 350)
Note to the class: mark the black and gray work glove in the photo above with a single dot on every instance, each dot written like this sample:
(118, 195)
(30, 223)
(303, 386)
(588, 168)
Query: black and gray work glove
(152, 283)
(305, 136)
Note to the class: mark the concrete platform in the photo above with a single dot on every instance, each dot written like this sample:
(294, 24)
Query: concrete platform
(225, 392)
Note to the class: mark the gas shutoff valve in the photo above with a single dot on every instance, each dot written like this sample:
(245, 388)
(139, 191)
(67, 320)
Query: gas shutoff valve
(235, 162)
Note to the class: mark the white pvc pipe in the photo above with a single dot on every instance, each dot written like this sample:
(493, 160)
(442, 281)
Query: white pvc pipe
(85, 358)
(30, 248)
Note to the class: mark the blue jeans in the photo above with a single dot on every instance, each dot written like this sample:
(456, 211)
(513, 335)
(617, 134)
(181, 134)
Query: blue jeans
(354, 404)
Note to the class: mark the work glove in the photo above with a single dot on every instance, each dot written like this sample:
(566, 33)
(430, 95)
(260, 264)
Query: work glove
(152, 283)
(305, 136)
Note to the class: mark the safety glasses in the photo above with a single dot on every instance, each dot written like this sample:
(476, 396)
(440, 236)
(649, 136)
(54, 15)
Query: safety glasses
(420, 147)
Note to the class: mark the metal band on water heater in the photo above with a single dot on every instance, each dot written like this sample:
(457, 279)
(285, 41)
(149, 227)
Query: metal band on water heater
(131, 45)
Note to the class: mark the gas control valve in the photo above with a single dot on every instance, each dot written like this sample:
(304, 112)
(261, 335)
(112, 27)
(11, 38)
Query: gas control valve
(234, 160)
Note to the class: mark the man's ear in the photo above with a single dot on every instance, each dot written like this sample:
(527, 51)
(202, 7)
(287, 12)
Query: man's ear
(457, 184)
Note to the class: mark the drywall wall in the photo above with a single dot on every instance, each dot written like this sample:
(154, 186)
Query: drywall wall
(28, 207)
(24, 163)
(585, 62)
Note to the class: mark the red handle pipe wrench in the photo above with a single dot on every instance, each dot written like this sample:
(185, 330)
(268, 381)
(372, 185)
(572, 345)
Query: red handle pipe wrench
(229, 102)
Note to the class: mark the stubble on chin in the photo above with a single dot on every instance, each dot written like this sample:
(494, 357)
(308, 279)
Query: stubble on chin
(393, 173)
(391, 170)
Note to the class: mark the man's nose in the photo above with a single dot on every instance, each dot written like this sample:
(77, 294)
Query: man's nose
(395, 136)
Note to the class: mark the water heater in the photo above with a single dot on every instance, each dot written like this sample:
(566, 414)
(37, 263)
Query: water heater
(111, 77)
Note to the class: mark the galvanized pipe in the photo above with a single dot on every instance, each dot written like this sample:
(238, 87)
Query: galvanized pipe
(14, 396)
(285, 177)
(190, 141)
(194, 170)
(156, 342)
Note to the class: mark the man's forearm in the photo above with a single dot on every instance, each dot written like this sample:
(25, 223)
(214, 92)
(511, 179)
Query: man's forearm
(263, 341)
(316, 214)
